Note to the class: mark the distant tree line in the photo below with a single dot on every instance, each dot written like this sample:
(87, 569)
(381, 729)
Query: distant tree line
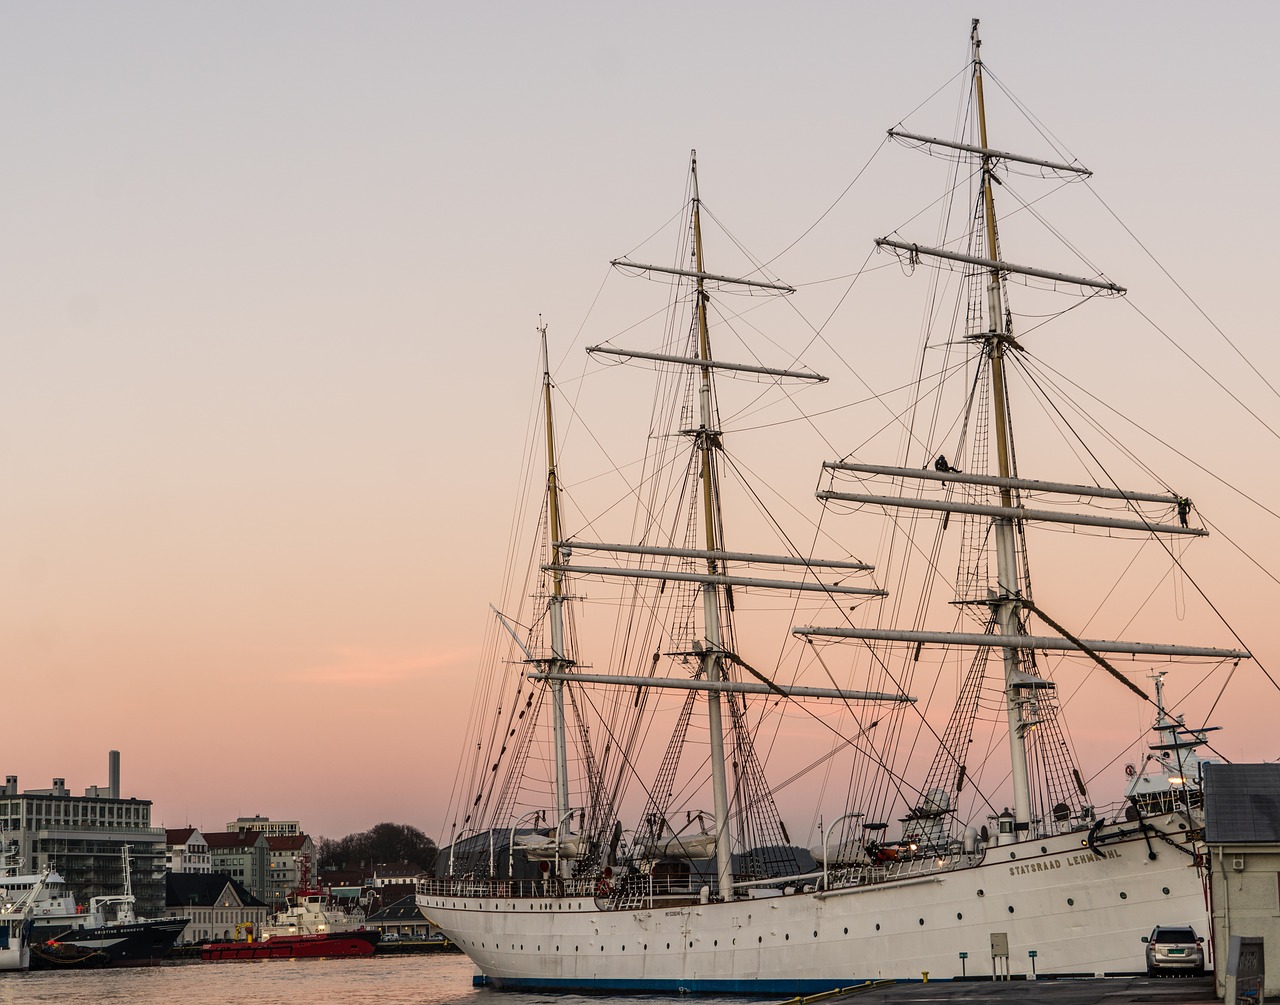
(381, 844)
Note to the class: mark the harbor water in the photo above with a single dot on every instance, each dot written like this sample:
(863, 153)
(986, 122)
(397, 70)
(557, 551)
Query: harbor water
(382, 980)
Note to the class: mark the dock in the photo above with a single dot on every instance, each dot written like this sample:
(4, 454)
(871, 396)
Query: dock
(1045, 991)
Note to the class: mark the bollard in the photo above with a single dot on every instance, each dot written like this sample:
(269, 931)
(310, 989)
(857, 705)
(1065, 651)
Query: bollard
(925, 975)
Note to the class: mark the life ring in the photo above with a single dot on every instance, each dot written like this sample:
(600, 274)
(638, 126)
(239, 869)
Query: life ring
(604, 888)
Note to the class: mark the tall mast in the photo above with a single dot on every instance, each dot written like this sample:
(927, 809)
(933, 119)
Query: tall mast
(558, 661)
(1008, 589)
(712, 668)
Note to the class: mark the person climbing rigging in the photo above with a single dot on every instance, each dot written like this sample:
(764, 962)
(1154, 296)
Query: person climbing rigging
(1184, 509)
(941, 465)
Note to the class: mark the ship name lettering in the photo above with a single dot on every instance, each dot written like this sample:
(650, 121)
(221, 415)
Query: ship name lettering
(1022, 870)
(1071, 861)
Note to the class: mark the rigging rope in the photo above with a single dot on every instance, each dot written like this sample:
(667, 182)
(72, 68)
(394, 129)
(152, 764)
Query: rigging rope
(1087, 651)
(1178, 286)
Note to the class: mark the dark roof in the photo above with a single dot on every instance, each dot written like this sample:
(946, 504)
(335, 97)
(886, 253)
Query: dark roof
(344, 877)
(404, 909)
(202, 889)
(233, 839)
(1241, 803)
(179, 836)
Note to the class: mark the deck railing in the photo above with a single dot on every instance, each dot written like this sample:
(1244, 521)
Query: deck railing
(639, 889)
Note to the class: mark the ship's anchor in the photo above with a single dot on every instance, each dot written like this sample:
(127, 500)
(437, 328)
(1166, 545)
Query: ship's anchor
(1143, 828)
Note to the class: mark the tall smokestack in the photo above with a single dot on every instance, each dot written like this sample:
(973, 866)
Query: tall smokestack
(113, 773)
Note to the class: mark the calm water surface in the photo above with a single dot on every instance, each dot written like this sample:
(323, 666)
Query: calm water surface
(389, 980)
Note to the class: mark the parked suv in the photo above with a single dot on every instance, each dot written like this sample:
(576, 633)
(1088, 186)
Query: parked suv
(1174, 949)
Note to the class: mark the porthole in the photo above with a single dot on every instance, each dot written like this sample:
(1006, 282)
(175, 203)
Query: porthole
(668, 945)
(715, 942)
(1013, 854)
(1165, 890)
(1010, 908)
(759, 938)
(1044, 850)
(646, 947)
(959, 917)
(815, 934)
(787, 937)
(575, 949)
(846, 931)
(922, 921)
(877, 926)
(1123, 895)
(1071, 902)
(690, 945)
(981, 893)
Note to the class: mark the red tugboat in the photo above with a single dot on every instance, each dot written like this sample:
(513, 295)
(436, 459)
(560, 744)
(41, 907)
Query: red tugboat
(307, 929)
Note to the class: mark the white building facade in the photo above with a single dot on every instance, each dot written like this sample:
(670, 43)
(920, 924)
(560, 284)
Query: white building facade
(186, 850)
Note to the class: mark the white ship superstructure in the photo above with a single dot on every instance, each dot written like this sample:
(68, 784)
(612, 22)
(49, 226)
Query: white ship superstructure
(311, 914)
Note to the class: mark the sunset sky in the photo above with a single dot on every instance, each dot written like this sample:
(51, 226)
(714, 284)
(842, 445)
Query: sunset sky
(270, 276)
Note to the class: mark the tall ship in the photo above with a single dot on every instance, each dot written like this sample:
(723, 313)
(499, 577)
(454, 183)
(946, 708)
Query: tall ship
(618, 821)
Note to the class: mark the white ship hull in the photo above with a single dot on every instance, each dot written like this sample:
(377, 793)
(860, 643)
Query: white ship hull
(15, 952)
(1080, 913)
